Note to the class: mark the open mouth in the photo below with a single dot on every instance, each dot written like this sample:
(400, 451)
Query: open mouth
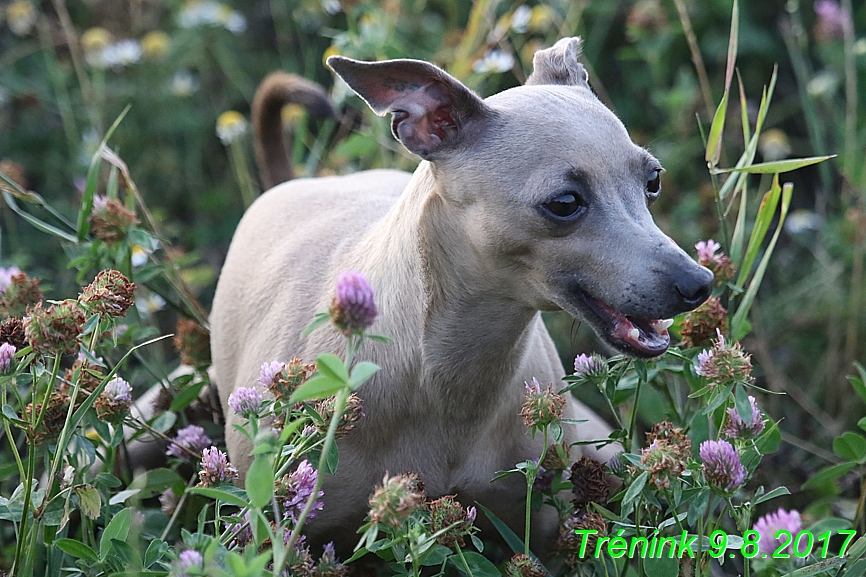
(645, 338)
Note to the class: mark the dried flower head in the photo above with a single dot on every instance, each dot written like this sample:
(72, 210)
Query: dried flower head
(55, 330)
(702, 324)
(589, 482)
(329, 565)
(246, 401)
(521, 565)
(352, 309)
(541, 408)
(7, 354)
(12, 332)
(110, 221)
(53, 420)
(771, 523)
(113, 402)
(20, 293)
(190, 441)
(395, 500)
(593, 365)
(110, 294)
(722, 466)
(569, 542)
(293, 490)
(723, 364)
(447, 511)
(215, 468)
(721, 266)
(667, 453)
(736, 428)
(192, 341)
(299, 560)
(350, 417)
(168, 501)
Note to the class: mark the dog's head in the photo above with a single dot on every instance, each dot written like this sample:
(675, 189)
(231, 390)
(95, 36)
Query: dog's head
(548, 189)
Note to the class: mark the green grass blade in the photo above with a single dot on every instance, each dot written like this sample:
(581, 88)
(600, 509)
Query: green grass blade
(37, 223)
(759, 231)
(744, 111)
(739, 229)
(739, 321)
(778, 166)
(714, 142)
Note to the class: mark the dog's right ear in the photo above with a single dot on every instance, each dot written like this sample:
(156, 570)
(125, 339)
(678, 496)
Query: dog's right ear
(431, 108)
(558, 65)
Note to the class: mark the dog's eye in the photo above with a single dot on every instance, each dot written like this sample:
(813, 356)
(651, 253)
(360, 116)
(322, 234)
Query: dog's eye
(565, 205)
(654, 187)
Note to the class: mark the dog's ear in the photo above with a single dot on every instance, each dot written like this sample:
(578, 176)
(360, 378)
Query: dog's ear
(430, 107)
(558, 65)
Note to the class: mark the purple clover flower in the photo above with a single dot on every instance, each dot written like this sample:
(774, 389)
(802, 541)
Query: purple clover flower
(302, 483)
(831, 20)
(533, 387)
(704, 358)
(245, 401)
(771, 523)
(722, 466)
(589, 365)
(6, 275)
(215, 468)
(7, 352)
(191, 438)
(269, 372)
(471, 513)
(736, 428)
(707, 250)
(353, 308)
(190, 559)
(118, 391)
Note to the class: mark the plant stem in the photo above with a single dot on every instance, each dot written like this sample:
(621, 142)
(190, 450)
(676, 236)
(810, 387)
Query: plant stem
(177, 509)
(339, 406)
(242, 172)
(631, 429)
(530, 481)
(462, 558)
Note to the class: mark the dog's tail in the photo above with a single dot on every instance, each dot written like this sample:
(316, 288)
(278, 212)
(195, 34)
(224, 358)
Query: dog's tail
(277, 90)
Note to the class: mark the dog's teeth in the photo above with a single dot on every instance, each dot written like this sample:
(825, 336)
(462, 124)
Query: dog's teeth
(662, 325)
(634, 333)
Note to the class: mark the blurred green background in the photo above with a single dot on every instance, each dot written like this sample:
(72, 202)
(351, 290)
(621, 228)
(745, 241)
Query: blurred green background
(68, 69)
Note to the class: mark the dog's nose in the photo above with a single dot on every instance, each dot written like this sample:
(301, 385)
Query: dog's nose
(695, 288)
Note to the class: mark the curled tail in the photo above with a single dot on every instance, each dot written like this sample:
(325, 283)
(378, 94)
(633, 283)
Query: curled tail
(277, 90)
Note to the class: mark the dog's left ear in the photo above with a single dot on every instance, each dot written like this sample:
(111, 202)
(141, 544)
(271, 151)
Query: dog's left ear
(431, 108)
(558, 65)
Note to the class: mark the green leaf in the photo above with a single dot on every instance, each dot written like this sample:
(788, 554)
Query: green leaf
(862, 423)
(89, 500)
(155, 552)
(777, 492)
(478, 564)
(819, 567)
(76, 549)
(778, 166)
(154, 482)
(164, 422)
(38, 224)
(743, 310)
(830, 473)
(332, 366)
(634, 489)
(513, 541)
(663, 566)
(222, 494)
(362, 373)
(333, 460)
(117, 528)
(714, 142)
(770, 440)
(744, 406)
(186, 396)
(260, 481)
(318, 387)
(436, 556)
(851, 446)
(765, 215)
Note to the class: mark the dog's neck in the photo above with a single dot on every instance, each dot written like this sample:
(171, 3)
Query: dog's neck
(431, 287)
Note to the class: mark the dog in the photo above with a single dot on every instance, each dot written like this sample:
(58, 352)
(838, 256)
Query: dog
(534, 199)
